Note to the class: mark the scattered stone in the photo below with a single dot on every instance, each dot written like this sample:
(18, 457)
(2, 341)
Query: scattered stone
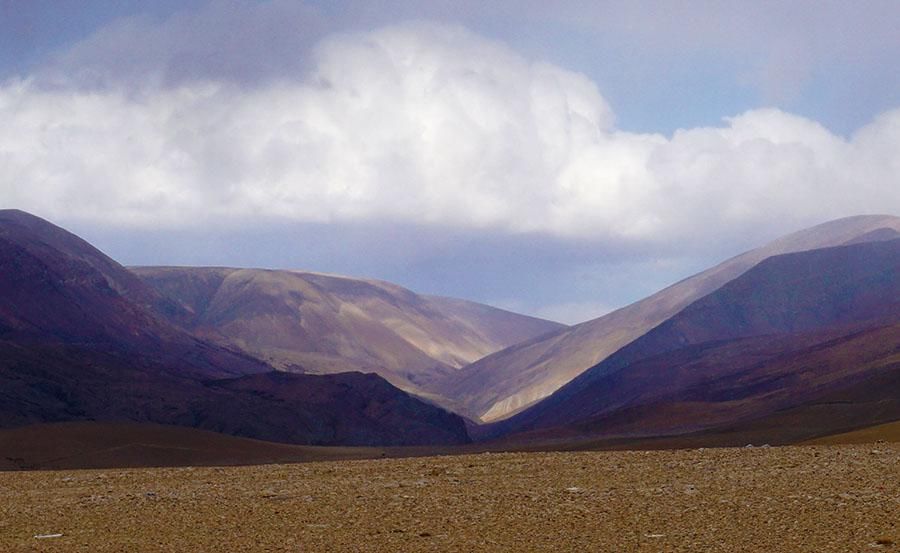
(780, 500)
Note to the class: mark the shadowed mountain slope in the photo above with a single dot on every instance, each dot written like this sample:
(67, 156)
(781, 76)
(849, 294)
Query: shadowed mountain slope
(56, 288)
(510, 380)
(316, 323)
(793, 328)
(65, 383)
(81, 338)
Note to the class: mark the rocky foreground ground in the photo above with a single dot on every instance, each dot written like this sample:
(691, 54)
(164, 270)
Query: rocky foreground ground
(822, 498)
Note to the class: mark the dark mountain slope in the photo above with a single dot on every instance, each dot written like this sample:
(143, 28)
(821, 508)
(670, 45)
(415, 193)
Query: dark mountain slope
(743, 340)
(65, 383)
(346, 408)
(510, 380)
(56, 288)
(804, 387)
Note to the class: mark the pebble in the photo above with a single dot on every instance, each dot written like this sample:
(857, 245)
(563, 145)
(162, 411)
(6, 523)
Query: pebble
(778, 499)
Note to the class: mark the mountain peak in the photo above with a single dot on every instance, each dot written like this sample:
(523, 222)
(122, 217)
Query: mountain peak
(833, 233)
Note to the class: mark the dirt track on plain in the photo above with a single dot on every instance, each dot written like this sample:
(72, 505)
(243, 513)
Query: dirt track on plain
(816, 499)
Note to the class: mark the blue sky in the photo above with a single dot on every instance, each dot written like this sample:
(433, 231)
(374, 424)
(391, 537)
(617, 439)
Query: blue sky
(558, 160)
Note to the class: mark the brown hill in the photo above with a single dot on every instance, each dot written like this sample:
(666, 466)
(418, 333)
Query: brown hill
(889, 432)
(316, 323)
(86, 445)
(510, 380)
(788, 332)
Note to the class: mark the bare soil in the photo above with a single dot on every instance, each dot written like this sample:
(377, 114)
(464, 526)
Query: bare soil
(889, 432)
(797, 499)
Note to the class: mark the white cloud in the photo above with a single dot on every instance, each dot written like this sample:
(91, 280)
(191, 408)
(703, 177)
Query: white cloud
(433, 125)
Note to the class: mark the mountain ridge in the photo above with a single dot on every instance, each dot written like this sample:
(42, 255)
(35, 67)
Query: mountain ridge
(507, 382)
(316, 323)
(787, 308)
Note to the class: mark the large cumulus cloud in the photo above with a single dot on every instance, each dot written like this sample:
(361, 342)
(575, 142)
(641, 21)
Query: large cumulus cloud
(425, 124)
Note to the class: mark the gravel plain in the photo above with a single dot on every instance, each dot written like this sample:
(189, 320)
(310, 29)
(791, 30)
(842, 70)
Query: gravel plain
(792, 499)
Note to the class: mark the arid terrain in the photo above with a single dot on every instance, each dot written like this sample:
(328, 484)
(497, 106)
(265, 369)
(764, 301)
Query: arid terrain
(811, 498)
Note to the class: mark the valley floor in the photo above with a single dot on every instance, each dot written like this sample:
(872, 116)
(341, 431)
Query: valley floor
(812, 498)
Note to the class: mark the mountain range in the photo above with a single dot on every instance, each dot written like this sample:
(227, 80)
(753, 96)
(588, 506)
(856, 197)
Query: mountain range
(792, 341)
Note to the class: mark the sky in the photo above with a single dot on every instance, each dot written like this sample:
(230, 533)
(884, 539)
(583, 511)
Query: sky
(559, 159)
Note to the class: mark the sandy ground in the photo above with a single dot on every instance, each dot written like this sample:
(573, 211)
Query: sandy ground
(823, 498)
